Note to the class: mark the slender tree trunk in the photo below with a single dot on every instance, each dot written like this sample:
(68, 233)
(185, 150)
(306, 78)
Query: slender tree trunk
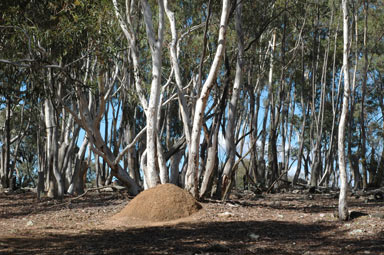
(301, 139)
(76, 185)
(363, 141)
(175, 64)
(6, 148)
(262, 164)
(317, 118)
(154, 98)
(352, 158)
(335, 99)
(211, 160)
(378, 171)
(40, 160)
(191, 182)
(230, 146)
(272, 144)
(343, 206)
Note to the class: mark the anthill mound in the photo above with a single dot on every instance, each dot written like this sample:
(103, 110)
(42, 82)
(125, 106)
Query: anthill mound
(162, 203)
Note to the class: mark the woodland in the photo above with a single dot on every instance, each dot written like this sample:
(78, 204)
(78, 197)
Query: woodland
(214, 96)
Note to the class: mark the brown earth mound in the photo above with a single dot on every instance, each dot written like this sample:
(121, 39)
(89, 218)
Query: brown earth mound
(162, 203)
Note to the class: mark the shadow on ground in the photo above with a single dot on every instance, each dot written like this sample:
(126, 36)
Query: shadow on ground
(27, 203)
(240, 237)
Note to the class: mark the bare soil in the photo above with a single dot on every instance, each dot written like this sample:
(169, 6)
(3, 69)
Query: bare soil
(283, 223)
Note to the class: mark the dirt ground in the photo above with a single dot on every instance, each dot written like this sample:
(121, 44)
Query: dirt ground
(284, 223)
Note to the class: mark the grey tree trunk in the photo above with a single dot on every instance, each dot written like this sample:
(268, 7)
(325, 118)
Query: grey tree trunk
(211, 160)
(363, 142)
(301, 139)
(352, 157)
(272, 143)
(318, 118)
(52, 151)
(5, 171)
(335, 99)
(230, 146)
(175, 165)
(76, 185)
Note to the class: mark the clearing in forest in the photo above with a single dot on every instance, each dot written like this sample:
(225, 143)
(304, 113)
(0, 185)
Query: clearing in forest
(294, 222)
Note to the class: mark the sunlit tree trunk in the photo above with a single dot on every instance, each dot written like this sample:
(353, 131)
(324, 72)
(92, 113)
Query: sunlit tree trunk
(153, 104)
(272, 143)
(175, 64)
(191, 179)
(343, 206)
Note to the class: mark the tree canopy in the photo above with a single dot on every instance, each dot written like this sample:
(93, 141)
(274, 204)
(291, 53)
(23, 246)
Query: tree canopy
(187, 92)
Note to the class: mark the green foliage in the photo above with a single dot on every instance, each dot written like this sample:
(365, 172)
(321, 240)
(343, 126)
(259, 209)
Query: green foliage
(66, 34)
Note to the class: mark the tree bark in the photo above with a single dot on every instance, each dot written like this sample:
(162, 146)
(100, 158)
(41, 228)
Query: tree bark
(154, 98)
(52, 151)
(363, 141)
(343, 206)
(301, 139)
(6, 148)
(191, 181)
(230, 146)
(272, 146)
(175, 64)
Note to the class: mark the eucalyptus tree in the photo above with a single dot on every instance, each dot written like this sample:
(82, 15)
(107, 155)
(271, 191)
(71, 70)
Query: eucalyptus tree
(145, 81)
(191, 182)
(151, 103)
(371, 93)
(343, 206)
(13, 89)
(363, 139)
(60, 40)
(14, 123)
(334, 102)
(230, 145)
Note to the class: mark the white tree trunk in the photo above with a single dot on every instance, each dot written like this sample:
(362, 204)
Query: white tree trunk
(151, 171)
(191, 179)
(343, 207)
(154, 99)
(175, 64)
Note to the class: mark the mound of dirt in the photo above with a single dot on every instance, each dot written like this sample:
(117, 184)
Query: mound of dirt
(162, 203)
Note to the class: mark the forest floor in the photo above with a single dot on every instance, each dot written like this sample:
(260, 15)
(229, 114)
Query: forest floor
(286, 223)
